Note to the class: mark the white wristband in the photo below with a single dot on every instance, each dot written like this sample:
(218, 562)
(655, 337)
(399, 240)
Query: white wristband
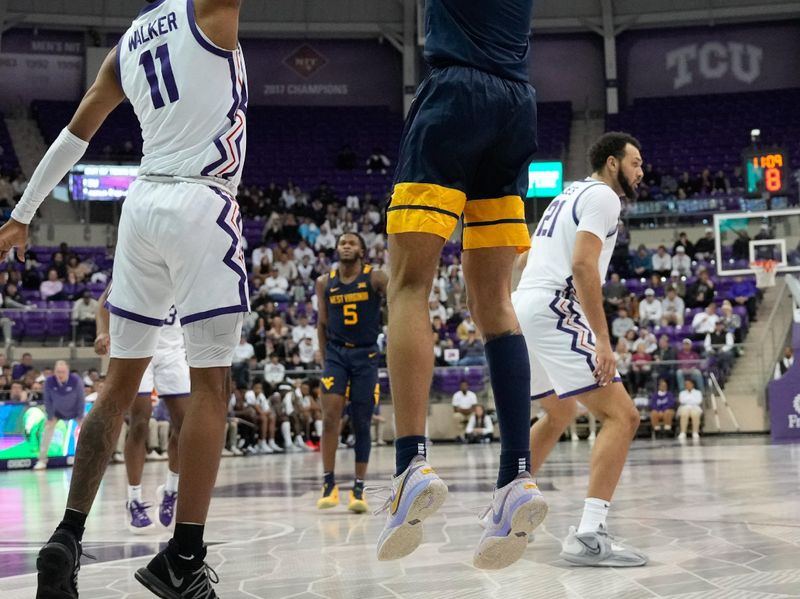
(66, 150)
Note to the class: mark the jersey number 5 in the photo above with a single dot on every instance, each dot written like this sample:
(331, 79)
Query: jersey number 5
(350, 314)
(148, 63)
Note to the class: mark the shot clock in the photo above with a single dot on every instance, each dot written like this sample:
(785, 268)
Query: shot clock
(766, 170)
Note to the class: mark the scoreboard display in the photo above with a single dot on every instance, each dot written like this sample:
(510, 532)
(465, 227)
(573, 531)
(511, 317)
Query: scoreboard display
(766, 171)
(101, 182)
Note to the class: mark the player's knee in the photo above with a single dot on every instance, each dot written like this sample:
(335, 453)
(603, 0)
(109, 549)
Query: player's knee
(631, 419)
(138, 430)
(560, 416)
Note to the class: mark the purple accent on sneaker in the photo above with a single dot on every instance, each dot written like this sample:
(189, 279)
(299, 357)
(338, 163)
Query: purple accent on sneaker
(166, 511)
(138, 513)
(503, 532)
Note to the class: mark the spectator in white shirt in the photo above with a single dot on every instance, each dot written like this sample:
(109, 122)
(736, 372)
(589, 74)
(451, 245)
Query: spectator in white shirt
(240, 363)
(705, 322)
(326, 239)
(622, 324)
(303, 250)
(479, 426)
(662, 262)
(352, 202)
(691, 406)
(276, 286)
(374, 215)
(720, 343)
(650, 310)
(307, 348)
(464, 402)
(681, 262)
(274, 371)
(673, 309)
(306, 269)
(259, 253)
(785, 363)
(286, 267)
(302, 330)
(435, 308)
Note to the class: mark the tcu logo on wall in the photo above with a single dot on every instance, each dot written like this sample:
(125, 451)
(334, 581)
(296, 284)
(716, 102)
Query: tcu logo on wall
(794, 419)
(715, 60)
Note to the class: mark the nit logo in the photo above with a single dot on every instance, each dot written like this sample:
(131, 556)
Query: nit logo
(305, 61)
(327, 382)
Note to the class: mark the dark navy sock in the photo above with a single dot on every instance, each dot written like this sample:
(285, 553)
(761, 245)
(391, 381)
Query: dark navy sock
(358, 488)
(189, 540)
(330, 480)
(73, 521)
(405, 450)
(510, 373)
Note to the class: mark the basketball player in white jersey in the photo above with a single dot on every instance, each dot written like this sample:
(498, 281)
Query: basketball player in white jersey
(559, 303)
(168, 374)
(179, 243)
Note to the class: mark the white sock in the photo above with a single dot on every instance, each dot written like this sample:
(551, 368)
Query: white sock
(286, 431)
(594, 514)
(134, 493)
(172, 482)
(318, 428)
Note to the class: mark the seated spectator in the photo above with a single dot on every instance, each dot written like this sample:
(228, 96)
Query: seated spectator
(259, 253)
(631, 338)
(665, 356)
(12, 298)
(720, 344)
(346, 158)
(673, 309)
(59, 265)
(644, 335)
(683, 240)
(622, 324)
(705, 322)
(84, 312)
(286, 267)
(464, 326)
(641, 263)
(580, 410)
(51, 289)
(656, 283)
(785, 363)
(303, 330)
(464, 402)
(63, 400)
(701, 292)
(641, 368)
(733, 322)
(681, 262)
(721, 183)
(662, 408)
(72, 290)
(662, 262)
(17, 393)
(275, 286)
(743, 293)
(274, 371)
(309, 231)
(436, 309)
(471, 350)
(688, 366)
(706, 247)
(677, 283)
(479, 426)
(691, 406)
(240, 365)
(22, 368)
(650, 311)
(326, 239)
(615, 294)
(623, 360)
(378, 161)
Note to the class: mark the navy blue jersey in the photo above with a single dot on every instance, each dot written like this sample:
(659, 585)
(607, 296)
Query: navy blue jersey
(488, 35)
(354, 310)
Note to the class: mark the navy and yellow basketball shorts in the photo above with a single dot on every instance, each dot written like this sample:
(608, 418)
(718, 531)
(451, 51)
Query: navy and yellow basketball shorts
(466, 147)
(350, 371)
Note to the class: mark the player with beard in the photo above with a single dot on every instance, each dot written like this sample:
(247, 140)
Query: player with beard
(348, 327)
(559, 303)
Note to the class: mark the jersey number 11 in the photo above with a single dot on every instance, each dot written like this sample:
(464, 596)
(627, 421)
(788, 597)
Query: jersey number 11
(147, 62)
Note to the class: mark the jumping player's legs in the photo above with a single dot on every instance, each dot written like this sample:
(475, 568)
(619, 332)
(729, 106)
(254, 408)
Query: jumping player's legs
(548, 430)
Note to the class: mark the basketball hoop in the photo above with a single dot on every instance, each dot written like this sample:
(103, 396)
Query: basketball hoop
(765, 270)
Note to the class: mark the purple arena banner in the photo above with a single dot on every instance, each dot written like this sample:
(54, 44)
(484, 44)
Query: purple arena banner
(323, 72)
(708, 60)
(784, 400)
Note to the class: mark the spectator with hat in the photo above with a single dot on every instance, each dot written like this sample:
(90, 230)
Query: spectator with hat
(688, 366)
(472, 350)
(650, 310)
(681, 262)
(705, 246)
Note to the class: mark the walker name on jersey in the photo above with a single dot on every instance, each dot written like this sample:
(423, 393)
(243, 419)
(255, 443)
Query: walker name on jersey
(156, 28)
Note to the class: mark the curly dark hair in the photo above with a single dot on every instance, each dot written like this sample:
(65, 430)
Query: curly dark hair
(610, 144)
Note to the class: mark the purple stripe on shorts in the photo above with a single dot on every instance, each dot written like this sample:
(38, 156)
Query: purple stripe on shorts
(586, 389)
(153, 322)
(574, 334)
(212, 313)
(235, 241)
(541, 395)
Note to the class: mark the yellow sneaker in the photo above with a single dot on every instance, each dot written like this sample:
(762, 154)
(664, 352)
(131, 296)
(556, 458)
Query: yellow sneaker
(330, 500)
(357, 506)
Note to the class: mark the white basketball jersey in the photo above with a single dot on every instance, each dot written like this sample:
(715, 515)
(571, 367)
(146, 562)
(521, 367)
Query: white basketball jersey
(587, 205)
(190, 95)
(170, 337)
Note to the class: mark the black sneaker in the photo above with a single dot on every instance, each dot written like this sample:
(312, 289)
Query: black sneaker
(58, 564)
(166, 577)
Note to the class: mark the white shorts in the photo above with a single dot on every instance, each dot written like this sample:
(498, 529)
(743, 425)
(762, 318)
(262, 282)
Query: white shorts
(179, 243)
(560, 344)
(168, 374)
